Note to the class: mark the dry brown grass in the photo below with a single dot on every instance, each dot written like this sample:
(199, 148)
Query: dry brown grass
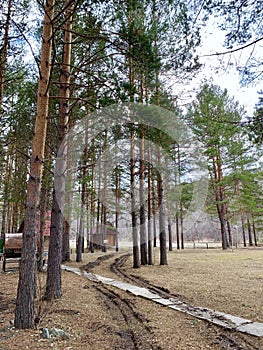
(226, 281)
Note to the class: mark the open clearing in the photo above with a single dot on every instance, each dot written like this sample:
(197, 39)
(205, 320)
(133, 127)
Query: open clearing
(98, 317)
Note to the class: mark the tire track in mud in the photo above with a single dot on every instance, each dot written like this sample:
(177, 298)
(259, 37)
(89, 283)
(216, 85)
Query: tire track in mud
(116, 267)
(226, 340)
(223, 340)
(134, 331)
(133, 328)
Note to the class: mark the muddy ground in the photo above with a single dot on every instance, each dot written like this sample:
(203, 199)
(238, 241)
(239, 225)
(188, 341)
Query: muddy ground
(97, 317)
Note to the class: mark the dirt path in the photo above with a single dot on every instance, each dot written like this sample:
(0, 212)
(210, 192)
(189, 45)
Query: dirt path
(97, 316)
(221, 338)
(135, 333)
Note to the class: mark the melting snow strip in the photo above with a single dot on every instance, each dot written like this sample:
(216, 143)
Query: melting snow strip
(219, 318)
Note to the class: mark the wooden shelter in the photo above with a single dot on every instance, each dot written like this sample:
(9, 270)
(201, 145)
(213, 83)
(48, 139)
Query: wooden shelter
(103, 235)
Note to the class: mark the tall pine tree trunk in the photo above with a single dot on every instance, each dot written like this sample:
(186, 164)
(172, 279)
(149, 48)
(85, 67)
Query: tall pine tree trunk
(170, 235)
(4, 48)
(181, 212)
(177, 228)
(53, 284)
(80, 233)
(230, 239)
(169, 212)
(177, 212)
(136, 259)
(243, 230)
(131, 5)
(143, 238)
(65, 240)
(7, 180)
(92, 199)
(24, 312)
(66, 251)
(182, 224)
(105, 190)
(117, 205)
(250, 241)
(154, 212)
(162, 231)
(254, 232)
(217, 173)
(44, 198)
(42, 219)
(150, 211)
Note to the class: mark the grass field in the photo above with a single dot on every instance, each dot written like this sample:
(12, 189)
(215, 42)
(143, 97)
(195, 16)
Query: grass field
(226, 281)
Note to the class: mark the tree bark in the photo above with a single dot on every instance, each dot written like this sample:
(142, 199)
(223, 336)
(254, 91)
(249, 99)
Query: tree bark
(105, 189)
(181, 212)
(24, 312)
(154, 211)
(80, 233)
(93, 199)
(150, 211)
(163, 252)
(65, 241)
(136, 259)
(177, 228)
(230, 239)
(170, 235)
(42, 219)
(8, 174)
(143, 238)
(219, 196)
(44, 198)
(53, 285)
(4, 52)
(182, 225)
(117, 204)
(250, 241)
(254, 232)
(243, 230)
(66, 250)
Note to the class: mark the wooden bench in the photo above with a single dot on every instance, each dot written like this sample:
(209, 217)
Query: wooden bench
(16, 258)
(10, 260)
(12, 248)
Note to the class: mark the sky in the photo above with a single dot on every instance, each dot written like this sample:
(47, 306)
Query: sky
(222, 68)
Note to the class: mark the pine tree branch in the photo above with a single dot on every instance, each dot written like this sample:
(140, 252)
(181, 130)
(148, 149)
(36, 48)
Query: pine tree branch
(234, 50)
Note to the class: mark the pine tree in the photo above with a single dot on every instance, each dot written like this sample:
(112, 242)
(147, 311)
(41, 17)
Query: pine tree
(214, 118)
(24, 313)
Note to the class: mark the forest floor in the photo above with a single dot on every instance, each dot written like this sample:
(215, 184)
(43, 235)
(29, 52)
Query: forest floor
(99, 317)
